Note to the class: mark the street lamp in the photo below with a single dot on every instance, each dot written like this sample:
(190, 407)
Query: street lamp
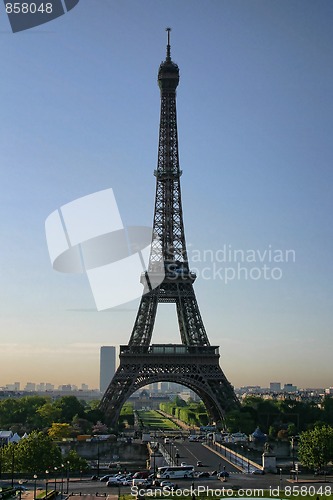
(280, 479)
(55, 480)
(98, 456)
(35, 478)
(67, 489)
(13, 465)
(62, 478)
(46, 482)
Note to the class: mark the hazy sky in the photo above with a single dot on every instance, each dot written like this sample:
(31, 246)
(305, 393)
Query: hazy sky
(80, 113)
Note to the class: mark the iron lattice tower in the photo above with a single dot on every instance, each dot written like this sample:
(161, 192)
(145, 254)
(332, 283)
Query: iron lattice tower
(194, 363)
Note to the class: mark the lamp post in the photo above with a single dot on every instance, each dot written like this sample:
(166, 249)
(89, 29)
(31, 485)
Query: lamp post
(62, 479)
(35, 479)
(46, 482)
(12, 471)
(55, 480)
(98, 456)
(67, 488)
(280, 480)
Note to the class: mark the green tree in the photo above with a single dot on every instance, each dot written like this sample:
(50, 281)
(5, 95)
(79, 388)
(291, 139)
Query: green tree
(240, 420)
(32, 454)
(328, 410)
(75, 462)
(70, 406)
(315, 447)
(49, 413)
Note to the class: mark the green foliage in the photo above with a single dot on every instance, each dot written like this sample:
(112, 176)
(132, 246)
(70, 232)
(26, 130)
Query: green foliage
(81, 426)
(240, 420)
(75, 462)
(315, 447)
(69, 406)
(48, 414)
(193, 414)
(152, 419)
(21, 411)
(126, 415)
(31, 455)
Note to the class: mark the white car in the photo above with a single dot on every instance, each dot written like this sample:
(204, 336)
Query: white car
(167, 485)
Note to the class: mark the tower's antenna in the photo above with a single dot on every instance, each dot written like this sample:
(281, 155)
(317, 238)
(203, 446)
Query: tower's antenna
(168, 57)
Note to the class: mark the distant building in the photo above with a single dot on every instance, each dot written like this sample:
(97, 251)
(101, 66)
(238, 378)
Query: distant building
(107, 366)
(275, 386)
(65, 387)
(289, 388)
(30, 387)
(13, 387)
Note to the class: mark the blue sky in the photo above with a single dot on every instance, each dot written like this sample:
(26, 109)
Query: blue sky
(80, 113)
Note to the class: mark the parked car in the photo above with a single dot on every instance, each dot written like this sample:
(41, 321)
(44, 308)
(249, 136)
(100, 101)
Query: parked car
(105, 478)
(199, 463)
(114, 481)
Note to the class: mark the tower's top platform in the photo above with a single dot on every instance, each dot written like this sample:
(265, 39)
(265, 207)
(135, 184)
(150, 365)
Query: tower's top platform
(168, 73)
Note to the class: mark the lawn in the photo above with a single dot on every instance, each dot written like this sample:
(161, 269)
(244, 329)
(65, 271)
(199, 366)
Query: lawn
(154, 420)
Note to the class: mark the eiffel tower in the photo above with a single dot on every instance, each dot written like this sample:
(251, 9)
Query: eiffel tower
(194, 363)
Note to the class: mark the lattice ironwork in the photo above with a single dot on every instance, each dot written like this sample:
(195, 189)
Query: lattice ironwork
(194, 363)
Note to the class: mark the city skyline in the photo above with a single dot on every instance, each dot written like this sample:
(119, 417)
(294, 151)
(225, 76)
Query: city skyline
(254, 118)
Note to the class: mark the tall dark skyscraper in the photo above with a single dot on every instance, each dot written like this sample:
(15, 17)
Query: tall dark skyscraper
(107, 366)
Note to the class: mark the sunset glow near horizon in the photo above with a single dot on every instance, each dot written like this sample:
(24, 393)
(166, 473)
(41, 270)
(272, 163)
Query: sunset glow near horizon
(80, 113)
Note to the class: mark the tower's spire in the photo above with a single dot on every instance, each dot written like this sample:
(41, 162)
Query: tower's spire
(168, 54)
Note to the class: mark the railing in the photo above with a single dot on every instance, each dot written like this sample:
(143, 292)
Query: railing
(170, 349)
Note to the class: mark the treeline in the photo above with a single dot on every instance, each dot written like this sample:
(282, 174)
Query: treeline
(279, 418)
(191, 413)
(39, 454)
(23, 415)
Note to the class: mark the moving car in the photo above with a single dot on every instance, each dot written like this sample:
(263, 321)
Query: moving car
(167, 485)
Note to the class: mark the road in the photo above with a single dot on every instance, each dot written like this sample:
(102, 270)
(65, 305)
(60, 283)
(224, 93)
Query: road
(191, 452)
